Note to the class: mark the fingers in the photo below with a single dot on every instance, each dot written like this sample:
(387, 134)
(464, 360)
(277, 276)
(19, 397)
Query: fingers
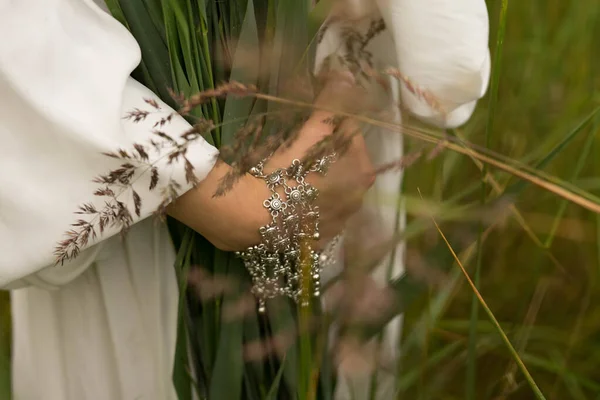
(315, 129)
(319, 125)
(334, 223)
(337, 209)
(328, 230)
(349, 177)
(337, 91)
(363, 166)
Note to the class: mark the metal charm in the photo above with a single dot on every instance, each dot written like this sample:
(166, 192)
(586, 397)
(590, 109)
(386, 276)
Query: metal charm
(284, 263)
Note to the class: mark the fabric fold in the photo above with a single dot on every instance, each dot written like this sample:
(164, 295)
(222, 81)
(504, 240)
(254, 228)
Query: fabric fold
(65, 89)
(442, 48)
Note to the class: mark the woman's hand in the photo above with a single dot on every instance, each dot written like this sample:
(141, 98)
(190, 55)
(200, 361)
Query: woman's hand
(341, 191)
(231, 222)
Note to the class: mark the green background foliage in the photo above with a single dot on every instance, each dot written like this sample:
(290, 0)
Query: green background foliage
(545, 295)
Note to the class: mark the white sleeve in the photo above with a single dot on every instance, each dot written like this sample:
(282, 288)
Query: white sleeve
(442, 47)
(64, 90)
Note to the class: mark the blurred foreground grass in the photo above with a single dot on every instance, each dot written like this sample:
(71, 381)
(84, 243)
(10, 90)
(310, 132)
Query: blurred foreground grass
(545, 295)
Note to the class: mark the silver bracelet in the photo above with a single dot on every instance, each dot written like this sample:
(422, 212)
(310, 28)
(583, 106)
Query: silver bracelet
(284, 263)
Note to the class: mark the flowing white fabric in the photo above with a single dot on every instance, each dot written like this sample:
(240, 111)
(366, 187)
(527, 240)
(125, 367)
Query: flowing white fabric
(441, 46)
(109, 331)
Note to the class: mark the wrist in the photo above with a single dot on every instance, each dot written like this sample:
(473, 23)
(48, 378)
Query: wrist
(231, 221)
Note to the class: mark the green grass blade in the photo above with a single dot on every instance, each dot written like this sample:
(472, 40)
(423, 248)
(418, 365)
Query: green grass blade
(180, 20)
(282, 322)
(495, 75)
(274, 389)
(289, 42)
(114, 7)
(412, 375)
(317, 16)
(285, 20)
(180, 81)
(235, 108)
(552, 367)
(201, 8)
(208, 76)
(327, 370)
(227, 377)
(518, 187)
(5, 347)
(142, 74)
(581, 162)
(181, 379)
(536, 390)
(154, 52)
(228, 371)
(205, 316)
(252, 334)
(471, 374)
(154, 8)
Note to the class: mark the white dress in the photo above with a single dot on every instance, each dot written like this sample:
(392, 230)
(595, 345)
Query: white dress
(102, 327)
